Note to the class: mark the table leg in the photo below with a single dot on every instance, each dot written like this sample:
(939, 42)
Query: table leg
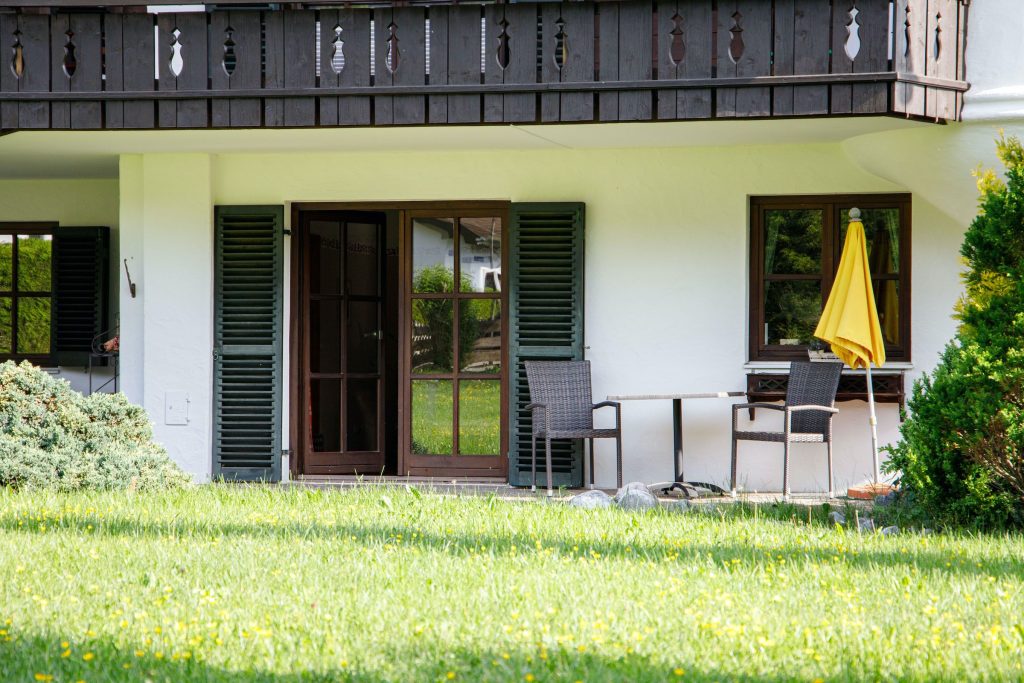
(677, 437)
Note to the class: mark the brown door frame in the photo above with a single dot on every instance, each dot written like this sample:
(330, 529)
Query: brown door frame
(448, 465)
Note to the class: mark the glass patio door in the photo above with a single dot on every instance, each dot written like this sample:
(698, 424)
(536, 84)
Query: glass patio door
(343, 343)
(455, 378)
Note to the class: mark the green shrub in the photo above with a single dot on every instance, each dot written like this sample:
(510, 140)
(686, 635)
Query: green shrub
(962, 449)
(52, 436)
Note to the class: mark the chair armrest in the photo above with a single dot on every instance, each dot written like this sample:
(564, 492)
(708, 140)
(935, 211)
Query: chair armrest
(534, 406)
(800, 409)
(618, 411)
(768, 406)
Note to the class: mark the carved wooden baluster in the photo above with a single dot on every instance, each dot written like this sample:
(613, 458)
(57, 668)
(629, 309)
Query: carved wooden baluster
(17, 56)
(230, 60)
(906, 31)
(337, 51)
(177, 62)
(394, 54)
(70, 60)
(561, 44)
(852, 45)
(504, 51)
(677, 50)
(736, 46)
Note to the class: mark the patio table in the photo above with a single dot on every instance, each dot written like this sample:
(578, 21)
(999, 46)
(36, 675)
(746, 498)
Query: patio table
(677, 431)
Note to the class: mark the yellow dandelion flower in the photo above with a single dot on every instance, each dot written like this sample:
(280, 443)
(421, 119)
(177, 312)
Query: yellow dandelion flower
(529, 678)
(88, 656)
(64, 644)
(65, 654)
(140, 653)
(43, 677)
(450, 675)
(678, 672)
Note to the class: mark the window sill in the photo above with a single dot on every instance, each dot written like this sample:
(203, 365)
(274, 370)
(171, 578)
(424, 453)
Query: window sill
(775, 366)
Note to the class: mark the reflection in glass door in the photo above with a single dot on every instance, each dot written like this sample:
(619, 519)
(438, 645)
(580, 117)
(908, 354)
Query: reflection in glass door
(343, 343)
(455, 376)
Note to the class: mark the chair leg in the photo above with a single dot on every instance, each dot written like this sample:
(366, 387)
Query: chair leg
(831, 487)
(533, 461)
(618, 459)
(547, 461)
(591, 443)
(785, 469)
(732, 477)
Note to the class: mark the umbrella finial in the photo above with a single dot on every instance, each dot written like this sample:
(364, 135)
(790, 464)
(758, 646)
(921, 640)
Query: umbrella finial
(854, 214)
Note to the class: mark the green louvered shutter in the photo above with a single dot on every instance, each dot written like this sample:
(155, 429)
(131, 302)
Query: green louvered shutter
(248, 330)
(81, 267)
(546, 322)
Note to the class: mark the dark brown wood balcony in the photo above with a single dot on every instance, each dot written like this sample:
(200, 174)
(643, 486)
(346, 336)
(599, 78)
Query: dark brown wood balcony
(72, 66)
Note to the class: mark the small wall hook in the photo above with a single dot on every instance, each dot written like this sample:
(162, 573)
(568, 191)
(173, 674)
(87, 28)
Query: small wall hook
(131, 285)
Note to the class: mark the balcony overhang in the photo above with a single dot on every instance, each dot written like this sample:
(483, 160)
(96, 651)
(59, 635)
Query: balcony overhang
(530, 63)
(95, 154)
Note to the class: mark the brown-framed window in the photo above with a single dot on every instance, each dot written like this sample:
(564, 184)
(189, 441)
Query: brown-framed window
(795, 244)
(26, 291)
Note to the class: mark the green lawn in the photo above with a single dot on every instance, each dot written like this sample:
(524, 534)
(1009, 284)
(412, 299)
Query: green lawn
(236, 584)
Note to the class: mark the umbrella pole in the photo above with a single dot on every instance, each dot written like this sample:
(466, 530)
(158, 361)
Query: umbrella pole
(874, 424)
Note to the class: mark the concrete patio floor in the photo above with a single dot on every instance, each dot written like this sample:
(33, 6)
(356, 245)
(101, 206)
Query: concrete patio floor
(501, 489)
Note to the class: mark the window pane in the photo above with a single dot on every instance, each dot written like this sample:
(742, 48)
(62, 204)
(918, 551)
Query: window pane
(432, 335)
(480, 335)
(479, 417)
(792, 241)
(5, 325)
(34, 256)
(882, 232)
(34, 325)
(361, 414)
(326, 418)
(480, 254)
(325, 262)
(887, 301)
(6, 262)
(433, 254)
(362, 248)
(432, 416)
(791, 311)
(325, 335)
(362, 336)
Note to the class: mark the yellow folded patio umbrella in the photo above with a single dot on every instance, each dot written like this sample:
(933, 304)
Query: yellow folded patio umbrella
(849, 322)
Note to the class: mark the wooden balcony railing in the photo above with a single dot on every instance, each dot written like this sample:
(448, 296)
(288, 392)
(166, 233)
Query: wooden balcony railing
(527, 62)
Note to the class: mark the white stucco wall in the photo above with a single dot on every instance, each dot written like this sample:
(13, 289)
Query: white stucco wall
(69, 202)
(666, 270)
(995, 61)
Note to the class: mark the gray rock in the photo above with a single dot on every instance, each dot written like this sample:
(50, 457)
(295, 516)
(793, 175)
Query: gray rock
(635, 496)
(631, 486)
(867, 524)
(680, 506)
(890, 530)
(887, 499)
(591, 500)
(837, 517)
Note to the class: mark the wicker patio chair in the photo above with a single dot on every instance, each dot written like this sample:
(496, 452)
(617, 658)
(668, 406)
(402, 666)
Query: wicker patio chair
(561, 407)
(807, 415)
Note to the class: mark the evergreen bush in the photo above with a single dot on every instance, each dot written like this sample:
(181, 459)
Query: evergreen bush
(54, 437)
(961, 455)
